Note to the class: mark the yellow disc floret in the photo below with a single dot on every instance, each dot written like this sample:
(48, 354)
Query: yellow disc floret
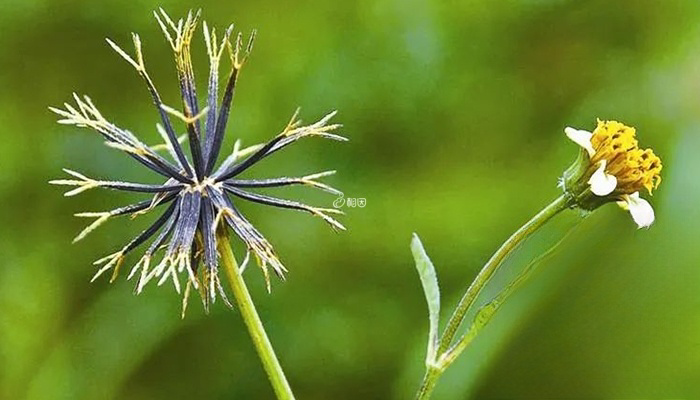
(633, 167)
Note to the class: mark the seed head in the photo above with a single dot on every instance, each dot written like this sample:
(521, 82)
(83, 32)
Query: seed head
(199, 198)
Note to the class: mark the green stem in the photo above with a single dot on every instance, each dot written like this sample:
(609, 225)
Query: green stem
(561, 203)
(488, 310)
(491, 266)
(252, 321)
(429, 381)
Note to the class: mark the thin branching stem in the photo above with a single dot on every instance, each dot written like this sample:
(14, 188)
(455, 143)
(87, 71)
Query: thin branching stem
(447, 353)
(486, 312)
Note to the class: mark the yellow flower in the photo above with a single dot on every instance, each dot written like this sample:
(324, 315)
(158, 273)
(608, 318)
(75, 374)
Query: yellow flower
(614, 168)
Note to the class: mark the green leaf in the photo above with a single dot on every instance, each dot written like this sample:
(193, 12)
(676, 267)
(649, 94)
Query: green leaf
(428, 278)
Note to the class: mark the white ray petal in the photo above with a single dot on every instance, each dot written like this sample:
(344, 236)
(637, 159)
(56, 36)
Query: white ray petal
(602, 184)
(582, 138)
(642, 212)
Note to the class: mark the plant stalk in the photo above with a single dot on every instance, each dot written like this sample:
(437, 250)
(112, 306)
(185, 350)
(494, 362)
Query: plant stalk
(444, 357)
(252, 321)
(486, 312)
(429, 381)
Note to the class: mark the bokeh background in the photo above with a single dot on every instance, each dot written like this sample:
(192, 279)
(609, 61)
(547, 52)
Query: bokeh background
(455, 110)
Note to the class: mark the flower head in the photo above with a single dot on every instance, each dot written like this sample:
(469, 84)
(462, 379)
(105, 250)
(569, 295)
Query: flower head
(611, 167)
(199, 198)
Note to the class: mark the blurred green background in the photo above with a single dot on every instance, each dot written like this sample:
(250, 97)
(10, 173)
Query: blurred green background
(455, 110)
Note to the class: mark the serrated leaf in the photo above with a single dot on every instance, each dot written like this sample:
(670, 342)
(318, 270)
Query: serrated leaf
(428, 279)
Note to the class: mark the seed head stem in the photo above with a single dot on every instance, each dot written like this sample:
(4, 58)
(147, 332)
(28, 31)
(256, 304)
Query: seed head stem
(252, 321)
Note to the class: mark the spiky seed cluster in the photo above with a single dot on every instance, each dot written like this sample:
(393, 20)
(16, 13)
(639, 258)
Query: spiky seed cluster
(198, 198)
